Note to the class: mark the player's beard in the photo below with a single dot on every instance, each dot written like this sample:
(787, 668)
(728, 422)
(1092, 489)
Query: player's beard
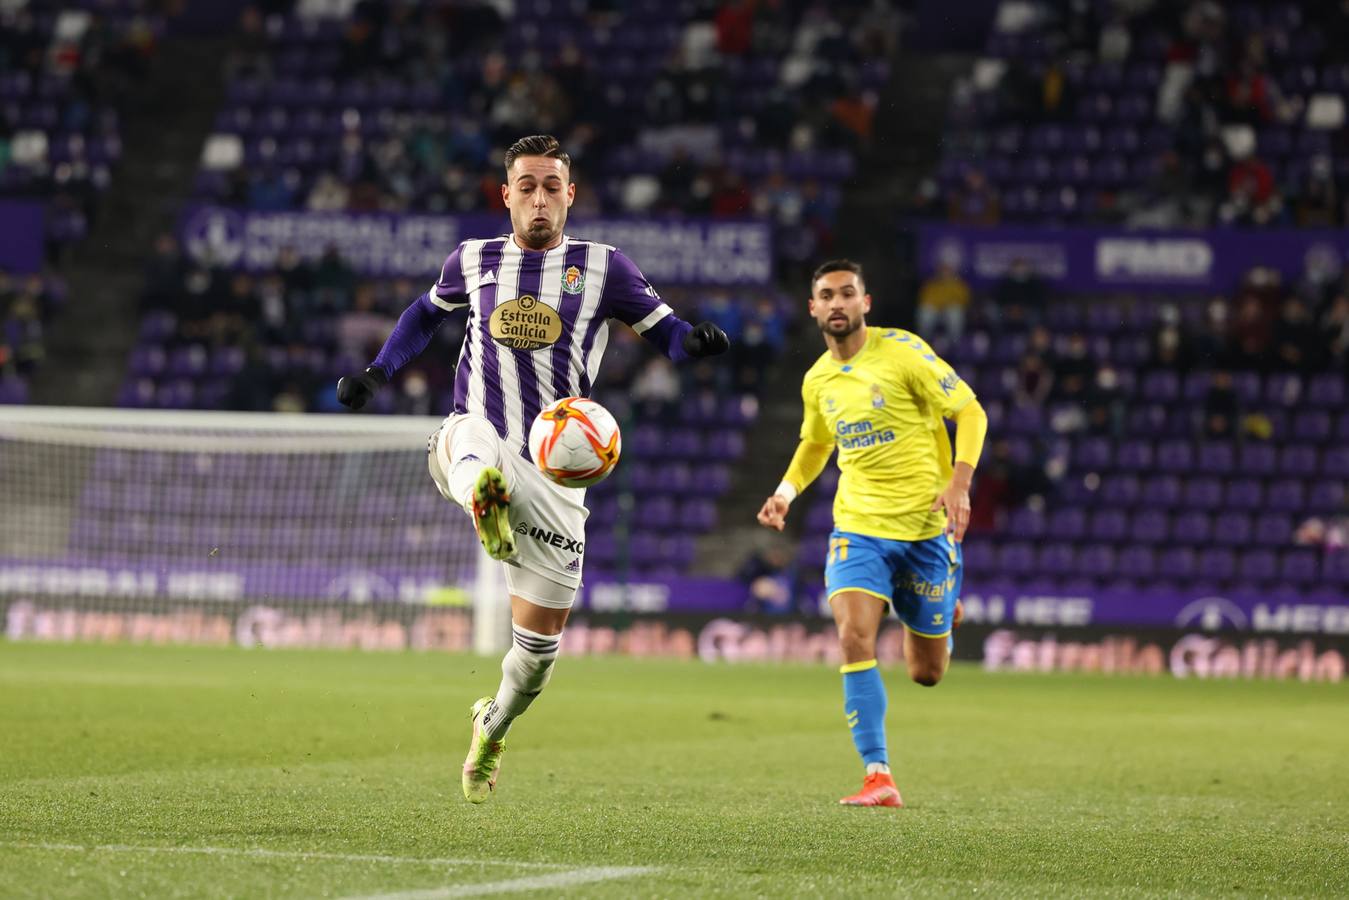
(840, 330)
(537, 234)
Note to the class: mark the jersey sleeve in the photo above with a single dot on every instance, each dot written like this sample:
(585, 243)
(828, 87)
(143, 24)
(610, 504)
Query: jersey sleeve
(450, 292)
(813, 426)
(630, 298)
(931, 377)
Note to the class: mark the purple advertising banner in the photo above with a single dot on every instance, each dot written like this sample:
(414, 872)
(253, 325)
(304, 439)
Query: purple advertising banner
(669, 252)
(21, 226)
(985, 605)
(1103, 260)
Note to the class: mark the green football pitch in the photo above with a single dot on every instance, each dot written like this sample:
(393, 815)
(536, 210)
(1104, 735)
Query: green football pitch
(171, 772)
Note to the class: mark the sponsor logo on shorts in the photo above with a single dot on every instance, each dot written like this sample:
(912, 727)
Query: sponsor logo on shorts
(553, 539)
(912, 584)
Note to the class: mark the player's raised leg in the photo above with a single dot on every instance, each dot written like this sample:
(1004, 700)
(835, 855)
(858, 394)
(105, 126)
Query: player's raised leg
(858, 617)
(466, 463)
(536, 636)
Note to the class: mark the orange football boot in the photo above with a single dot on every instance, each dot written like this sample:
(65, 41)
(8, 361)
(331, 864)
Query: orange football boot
(877, 790)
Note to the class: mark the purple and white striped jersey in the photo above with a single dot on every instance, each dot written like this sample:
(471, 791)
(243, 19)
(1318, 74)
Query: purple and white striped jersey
(538, 323)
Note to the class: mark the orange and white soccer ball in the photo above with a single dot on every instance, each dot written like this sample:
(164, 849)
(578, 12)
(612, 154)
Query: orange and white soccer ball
(575, 442)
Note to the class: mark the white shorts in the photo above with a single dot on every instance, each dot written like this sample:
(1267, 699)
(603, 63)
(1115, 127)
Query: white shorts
(548, 519)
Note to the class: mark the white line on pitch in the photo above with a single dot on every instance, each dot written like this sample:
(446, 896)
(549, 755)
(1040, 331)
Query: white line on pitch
(262, 853)
(531, 883)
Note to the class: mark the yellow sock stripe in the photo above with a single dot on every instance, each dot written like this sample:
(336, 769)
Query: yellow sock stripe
(857, 667)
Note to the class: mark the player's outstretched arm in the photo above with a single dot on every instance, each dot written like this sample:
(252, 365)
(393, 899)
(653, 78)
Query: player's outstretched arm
(806, 465)
(971, 428)
(415, 328)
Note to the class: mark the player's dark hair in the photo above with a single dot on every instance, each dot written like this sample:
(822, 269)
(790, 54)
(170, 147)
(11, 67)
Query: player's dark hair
(537, 145)
(838, 265)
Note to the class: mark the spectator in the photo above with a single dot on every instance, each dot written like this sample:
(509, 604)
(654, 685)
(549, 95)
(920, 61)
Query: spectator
(1251, 332)
(943, 299)
(1251, 198)
(974, 202)
(1222, 407)
(1297, 346)
(768, 579)
(1021, 295)
(1318, 204)
(656, 388)
(1335, 333)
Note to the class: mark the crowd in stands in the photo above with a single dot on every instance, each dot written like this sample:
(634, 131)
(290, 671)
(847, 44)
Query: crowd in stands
(27, 304)
(1151, 113)
(700, 108)
(212, 338)
(63, 71)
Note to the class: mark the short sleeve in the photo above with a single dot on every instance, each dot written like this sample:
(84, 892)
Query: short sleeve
(932, 378)
(813, 426)
(450, 291)
(629, 297)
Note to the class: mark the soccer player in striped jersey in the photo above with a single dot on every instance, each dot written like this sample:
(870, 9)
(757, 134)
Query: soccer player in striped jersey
(879, 395)
(539, 305)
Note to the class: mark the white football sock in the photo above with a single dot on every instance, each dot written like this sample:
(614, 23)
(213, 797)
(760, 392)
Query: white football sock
(524, 673)
(873, 768)
(465, 450)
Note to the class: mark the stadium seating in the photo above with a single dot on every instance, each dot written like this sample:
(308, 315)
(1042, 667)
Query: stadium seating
(1088, 114)
(1153, 503)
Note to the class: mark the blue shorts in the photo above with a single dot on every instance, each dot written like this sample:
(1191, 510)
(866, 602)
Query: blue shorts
(921, 578)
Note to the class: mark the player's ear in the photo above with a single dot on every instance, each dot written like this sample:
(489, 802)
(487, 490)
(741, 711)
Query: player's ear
(866, 303)
(506, 195)
(571, 193)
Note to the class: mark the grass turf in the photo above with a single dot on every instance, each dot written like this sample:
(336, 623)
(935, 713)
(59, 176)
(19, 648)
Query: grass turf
(336, 774)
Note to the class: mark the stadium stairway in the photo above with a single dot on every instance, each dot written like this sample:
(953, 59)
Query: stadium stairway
(906, 147)
(165, 124)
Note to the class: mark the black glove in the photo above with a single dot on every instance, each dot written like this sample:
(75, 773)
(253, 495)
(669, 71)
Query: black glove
(706, 339)
(355, 391)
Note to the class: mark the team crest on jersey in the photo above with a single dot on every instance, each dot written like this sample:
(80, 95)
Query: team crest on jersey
(525, 324)
(573, 282)
(877, 398)
(830, 404)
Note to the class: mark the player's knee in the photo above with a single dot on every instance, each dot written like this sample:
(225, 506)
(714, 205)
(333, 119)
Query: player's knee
(857, 645)
(925, 674)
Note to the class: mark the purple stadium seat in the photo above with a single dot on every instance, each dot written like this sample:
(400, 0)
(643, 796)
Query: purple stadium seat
(1203, 493)
(1298, 567)
(1232, 529)
(1108, 525)
(1066, 524)
(1097, 561)
(1258, 565)
(1055, 559)
(1273, 529)
(1176, 563)
(1217, 563)
(1327, 498)
(1287, 495)
(1216, 458)
(1134, 456)
(1120, 490)
(1312, 425)
(1161, 386)
(1298, 461)
(1093, 454)
(1192, 528)
(698, 515)
(1175, 456)
(1161, 492)
(1258, 459)
(1016, 558)
(1137, 561)
(1335, 568)
(1026, 523)
(1149, 526)
(1326, 391)
(1245, 493)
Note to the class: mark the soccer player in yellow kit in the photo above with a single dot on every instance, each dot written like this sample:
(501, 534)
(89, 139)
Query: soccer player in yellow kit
(879, 395)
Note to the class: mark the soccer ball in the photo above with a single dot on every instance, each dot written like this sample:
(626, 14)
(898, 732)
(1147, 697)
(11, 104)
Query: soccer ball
(575, 442)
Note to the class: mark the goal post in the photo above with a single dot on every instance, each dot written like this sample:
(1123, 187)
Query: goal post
(294, 529)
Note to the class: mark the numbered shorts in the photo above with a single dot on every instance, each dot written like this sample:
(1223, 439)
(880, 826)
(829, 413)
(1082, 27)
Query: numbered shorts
(548, 519)
(921, 578)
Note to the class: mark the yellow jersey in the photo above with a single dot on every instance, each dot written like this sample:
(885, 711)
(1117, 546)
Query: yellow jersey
(883, 409)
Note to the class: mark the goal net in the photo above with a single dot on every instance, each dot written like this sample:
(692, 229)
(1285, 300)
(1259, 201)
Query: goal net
(253, 529)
